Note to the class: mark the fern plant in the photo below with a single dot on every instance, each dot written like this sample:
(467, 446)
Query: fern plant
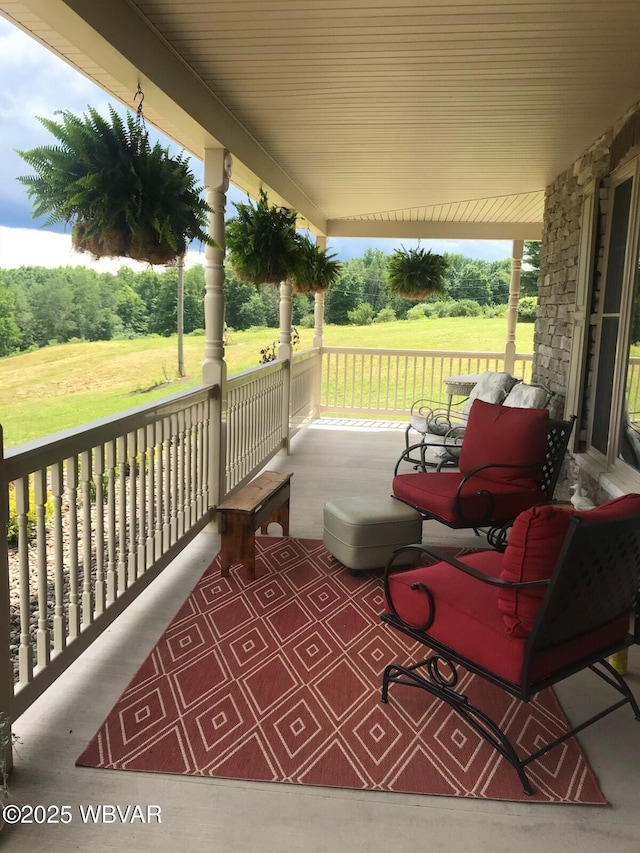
(262, 244)
(122, 196)
(416, 273)
(317, 270)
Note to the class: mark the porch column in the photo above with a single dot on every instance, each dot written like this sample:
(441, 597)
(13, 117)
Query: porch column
(284, 355)
(512, 311)
(318, 308)
(217, 170)
(318, 329)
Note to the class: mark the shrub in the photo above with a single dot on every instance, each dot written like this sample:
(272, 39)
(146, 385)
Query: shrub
(465, 308)
(307, 321)
(420, 312)
(528, 309)
(13, 528)
(385, 315)
(362, 315)
(495, 310)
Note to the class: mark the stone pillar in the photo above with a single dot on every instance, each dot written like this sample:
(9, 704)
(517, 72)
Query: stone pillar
(217, 170)
(512, 311)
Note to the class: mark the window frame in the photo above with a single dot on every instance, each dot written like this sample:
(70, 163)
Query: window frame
(609, 459)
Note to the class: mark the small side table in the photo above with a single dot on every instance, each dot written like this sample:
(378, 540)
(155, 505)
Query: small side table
(460, 386)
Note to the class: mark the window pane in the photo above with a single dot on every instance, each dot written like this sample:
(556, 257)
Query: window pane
(617, 247)
(604, 384)
(630, 431)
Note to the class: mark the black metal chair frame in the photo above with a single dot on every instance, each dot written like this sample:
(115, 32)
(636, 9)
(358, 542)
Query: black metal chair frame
(558, 436)
(595, 582)
(451, 423)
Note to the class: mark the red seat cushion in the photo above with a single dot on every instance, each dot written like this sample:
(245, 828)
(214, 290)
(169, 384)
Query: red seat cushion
(435, 493)
(467, 620)
(534, 545)
(506, 436)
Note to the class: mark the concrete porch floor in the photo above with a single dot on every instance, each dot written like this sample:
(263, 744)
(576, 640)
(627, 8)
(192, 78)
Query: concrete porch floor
(329, 460)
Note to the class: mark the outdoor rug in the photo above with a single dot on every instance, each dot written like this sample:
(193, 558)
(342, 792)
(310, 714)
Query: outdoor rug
(279, 680)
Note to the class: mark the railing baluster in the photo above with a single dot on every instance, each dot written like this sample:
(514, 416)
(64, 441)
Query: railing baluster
(59, 618)
(112, 566)
(151, 496)
(25, 656)
(160, 496)
(43, 639)
(132, 482)
(72, 498)
(166, 486)
(121, 503)
(87, 592)
(141, 557)
(98, 473)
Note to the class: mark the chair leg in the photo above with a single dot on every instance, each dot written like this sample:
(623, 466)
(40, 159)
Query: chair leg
(438, 676)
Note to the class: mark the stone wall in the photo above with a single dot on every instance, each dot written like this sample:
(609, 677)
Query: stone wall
(559, 270)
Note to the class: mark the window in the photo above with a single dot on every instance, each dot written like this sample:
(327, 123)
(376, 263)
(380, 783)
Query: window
(614, 420)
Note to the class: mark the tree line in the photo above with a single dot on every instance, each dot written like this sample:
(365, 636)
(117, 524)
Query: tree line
(40, 306)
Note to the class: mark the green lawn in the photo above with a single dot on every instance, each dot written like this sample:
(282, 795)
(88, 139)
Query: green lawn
(63, 386)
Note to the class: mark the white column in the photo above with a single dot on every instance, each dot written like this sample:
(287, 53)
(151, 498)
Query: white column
(318, 308)
(284, 354)
(318, 331)
(512, 311)
(217, 170)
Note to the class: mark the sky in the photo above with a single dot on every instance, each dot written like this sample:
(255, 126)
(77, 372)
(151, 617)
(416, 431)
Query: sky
(35, 82)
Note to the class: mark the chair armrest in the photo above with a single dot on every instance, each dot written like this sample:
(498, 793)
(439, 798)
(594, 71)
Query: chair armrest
(424, 406)
(475, 472)
(457, 564)
(454, 563)
(422, 447)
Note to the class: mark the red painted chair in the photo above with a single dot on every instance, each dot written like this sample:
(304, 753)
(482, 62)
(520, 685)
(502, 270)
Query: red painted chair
(558, 600)
(509, 461)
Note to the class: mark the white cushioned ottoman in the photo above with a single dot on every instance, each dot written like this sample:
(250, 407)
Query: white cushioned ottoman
(362, 532)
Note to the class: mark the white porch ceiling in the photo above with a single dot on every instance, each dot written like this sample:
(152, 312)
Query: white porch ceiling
(413, 118)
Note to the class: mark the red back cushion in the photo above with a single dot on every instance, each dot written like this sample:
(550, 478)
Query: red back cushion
(534, 545)
(505, 435)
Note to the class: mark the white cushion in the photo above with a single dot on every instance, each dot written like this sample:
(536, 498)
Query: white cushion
(492, 387)
(525, 396)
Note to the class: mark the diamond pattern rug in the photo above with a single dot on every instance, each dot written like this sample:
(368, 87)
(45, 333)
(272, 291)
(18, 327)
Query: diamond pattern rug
(279, 680)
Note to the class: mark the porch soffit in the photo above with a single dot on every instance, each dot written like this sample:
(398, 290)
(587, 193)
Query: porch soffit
(372, 118)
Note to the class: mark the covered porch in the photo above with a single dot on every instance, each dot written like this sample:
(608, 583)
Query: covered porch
(483, 121)
(204, 814)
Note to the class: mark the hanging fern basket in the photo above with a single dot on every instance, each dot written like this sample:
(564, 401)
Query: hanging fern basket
(122, 196)
(121, 244)
(317, 270)
(416, 273)
(262, 244)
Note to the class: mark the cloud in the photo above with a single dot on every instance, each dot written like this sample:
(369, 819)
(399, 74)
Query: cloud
(40, 248)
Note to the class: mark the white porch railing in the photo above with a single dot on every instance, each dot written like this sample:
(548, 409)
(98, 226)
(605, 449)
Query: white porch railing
(384, 383)
(102, 509)
(99, 511)
(253, 421)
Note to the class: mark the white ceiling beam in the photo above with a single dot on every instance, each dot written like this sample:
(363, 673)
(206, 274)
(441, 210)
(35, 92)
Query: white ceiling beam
(435, 230)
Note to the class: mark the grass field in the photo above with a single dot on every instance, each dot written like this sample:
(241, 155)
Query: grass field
(62, 386)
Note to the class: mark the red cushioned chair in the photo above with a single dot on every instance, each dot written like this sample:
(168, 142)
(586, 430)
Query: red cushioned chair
(509, 461)
(559, 599)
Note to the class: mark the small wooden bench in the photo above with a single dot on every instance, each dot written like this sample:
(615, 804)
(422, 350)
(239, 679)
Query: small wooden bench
(260, 502)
